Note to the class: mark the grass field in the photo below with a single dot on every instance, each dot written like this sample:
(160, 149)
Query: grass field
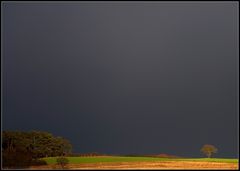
(79, 160)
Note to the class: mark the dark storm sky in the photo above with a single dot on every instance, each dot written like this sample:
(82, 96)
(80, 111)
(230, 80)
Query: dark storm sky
(124, 78)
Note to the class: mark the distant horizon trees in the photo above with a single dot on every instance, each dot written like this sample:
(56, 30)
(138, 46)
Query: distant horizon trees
(22, 148)
(208, 150)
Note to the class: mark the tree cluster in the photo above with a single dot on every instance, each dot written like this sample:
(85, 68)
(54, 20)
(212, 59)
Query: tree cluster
(24, 148)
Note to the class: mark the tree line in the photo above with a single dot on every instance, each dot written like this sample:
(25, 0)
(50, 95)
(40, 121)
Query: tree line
(20, 148)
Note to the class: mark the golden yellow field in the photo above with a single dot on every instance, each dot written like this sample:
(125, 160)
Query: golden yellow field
(148, 165)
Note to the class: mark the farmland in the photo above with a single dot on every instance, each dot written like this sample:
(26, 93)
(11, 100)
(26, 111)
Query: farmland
(119, 162)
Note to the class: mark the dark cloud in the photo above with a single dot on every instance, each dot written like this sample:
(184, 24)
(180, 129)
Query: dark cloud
(124, 78)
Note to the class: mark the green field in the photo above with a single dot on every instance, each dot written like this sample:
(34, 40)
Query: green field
(211, 160)
(77, 160)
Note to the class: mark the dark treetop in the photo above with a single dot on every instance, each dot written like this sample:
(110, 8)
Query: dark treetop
(124, 78)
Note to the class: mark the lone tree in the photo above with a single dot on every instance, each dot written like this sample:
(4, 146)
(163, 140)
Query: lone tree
(208, 149)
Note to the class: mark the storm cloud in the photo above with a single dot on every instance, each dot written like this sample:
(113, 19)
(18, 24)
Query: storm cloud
(124, 77)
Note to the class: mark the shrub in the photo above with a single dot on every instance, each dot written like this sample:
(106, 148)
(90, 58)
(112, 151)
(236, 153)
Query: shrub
(62, 161)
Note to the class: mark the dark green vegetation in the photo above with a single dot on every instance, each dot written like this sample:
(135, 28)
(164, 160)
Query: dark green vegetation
(22, 149)
(77, 160)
